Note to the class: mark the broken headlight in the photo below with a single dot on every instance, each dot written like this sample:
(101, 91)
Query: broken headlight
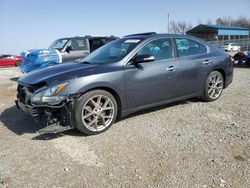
(50, 94)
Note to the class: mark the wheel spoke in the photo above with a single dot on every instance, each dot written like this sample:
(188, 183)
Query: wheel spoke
(107, 108)
(216, 78)
(85, 108)
(107, 117)
(95, 124)
(87, 115)
(99, 100)
(213, 79)
(218, 82)
(103, 121)
(209, 91)
(106, 103)
(213, 92)
(94, 103)
(91, 123)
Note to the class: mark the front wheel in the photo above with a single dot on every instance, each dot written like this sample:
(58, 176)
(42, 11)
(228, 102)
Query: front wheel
(213, 87)
(95, 112)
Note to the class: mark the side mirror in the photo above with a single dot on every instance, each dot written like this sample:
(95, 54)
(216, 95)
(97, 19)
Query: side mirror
(69, 48)
(144, 58)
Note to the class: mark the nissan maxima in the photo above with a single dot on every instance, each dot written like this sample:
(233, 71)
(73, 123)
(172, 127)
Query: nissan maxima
(130, 74)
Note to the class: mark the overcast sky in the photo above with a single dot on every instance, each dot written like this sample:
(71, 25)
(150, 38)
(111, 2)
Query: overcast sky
(30, 24)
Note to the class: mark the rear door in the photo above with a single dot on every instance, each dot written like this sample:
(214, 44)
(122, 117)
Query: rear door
(194, 64)
(152, 82)
(80, 49)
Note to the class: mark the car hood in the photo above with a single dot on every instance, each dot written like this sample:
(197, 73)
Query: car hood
(58, 73)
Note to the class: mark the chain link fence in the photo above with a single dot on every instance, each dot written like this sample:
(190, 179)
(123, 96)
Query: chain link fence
(244, 43)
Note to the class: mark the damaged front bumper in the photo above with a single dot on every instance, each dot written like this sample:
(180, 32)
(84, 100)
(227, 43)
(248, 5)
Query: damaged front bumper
(32, 111)
(55, 118)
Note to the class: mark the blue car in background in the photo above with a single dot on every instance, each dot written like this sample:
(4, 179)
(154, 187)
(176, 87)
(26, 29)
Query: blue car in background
(62, 50)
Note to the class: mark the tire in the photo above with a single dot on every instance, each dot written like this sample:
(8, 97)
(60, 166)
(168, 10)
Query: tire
(95, 112)
(17, 63)
(213, 87)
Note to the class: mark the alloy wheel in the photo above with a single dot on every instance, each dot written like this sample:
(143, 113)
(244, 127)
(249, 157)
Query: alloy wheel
(98, 113)
(215, 86)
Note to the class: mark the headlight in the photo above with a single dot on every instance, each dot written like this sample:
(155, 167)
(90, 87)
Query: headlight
(49, 94)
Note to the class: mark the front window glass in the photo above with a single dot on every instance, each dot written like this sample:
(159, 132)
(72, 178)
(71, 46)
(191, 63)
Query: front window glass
(78, 44)
(186, 47)
(161, 49)
(112, 52)
(58, 44)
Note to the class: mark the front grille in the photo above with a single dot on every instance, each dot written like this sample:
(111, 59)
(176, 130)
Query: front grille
(24, 93)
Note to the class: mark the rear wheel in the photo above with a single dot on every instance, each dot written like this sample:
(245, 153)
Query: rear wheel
(95, 112)
(213, 87)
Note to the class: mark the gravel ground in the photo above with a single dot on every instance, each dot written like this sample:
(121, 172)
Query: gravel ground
(186, 144)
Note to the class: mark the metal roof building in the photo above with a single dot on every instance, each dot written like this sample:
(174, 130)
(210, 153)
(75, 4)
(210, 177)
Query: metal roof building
(218, 32)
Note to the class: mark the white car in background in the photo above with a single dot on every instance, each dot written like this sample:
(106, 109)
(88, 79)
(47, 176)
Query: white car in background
(231, 47)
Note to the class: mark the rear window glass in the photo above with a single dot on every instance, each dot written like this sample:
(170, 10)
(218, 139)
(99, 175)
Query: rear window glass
(187, 47)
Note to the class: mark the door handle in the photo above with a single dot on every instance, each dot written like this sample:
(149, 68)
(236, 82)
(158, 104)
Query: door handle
(206, 62)
(171, 68)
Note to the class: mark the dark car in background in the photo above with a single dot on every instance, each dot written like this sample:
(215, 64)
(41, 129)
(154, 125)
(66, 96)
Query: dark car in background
(10, 60)
(133, 73)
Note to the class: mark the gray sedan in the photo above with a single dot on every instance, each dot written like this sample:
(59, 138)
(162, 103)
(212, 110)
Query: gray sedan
(133, 73)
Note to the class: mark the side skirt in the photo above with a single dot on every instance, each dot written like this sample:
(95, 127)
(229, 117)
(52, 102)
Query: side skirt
(130, 111)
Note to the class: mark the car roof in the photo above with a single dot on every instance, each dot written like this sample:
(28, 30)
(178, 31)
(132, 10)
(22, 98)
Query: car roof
(155, 35)
(88, 37)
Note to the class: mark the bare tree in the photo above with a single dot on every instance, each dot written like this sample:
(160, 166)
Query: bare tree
(219, 21)
(180, 27)
(241, 21)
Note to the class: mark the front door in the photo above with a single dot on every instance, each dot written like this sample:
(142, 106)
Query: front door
(152, 82)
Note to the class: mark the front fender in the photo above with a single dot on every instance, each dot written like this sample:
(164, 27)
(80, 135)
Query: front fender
(114, 82)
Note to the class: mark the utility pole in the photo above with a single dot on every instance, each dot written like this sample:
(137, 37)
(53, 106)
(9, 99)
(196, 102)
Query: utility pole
(168, 21)
(229, 38)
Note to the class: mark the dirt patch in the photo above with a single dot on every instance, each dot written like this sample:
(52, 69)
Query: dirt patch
(78, 151)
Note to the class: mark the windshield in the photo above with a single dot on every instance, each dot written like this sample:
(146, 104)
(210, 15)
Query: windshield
(112, 52)
(58, 44)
